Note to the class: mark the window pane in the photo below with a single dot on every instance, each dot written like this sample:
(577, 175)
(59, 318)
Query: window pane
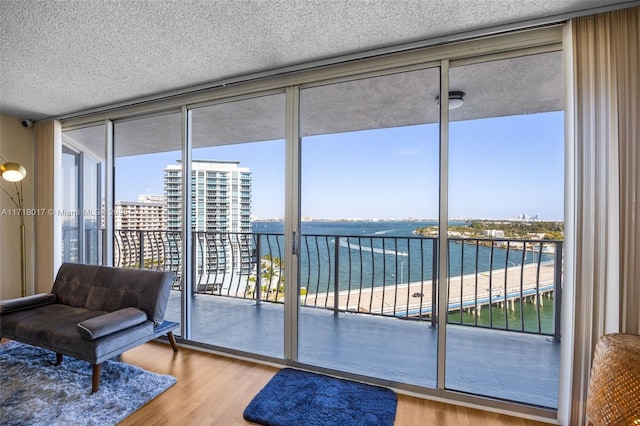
(506, 180)
(145, 235)
(84, 147)
(71, 250)
(369, 182)
(238, 207)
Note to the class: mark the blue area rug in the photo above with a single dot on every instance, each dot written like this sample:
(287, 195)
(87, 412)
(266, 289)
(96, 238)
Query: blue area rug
(294, 397)
(34, 391)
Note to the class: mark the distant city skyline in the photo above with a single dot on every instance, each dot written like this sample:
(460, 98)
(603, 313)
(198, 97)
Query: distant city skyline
(499, 168)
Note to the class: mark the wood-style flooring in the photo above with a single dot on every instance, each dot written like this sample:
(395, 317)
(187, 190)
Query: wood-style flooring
(214, 390)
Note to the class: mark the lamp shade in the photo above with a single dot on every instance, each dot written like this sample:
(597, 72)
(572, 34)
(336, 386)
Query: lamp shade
(12, 172)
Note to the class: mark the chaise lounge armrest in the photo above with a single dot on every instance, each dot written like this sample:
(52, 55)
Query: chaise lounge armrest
(110, 323)
(27, 302)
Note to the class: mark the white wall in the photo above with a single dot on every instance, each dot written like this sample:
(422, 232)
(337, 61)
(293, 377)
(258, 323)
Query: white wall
(17, 144)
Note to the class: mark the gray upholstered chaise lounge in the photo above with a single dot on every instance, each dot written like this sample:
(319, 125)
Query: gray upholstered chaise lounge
(93, 313)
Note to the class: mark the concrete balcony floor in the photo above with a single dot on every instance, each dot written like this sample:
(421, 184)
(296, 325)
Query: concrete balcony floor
(506, 365)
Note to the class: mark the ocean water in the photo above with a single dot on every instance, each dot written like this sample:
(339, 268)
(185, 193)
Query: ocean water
(383, 253)
(373, 254)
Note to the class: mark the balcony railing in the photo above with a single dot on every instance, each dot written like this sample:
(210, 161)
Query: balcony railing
(159, 250)
(507, 284)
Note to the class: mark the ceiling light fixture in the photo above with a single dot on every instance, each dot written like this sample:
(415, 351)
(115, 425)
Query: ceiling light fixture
(456, 99)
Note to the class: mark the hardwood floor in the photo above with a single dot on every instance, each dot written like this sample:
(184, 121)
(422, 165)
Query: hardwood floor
(214, 390)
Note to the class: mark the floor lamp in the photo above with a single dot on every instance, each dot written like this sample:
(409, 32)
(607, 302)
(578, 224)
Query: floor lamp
(14, 172)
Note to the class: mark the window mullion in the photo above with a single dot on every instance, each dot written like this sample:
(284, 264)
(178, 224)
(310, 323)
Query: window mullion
(443, 258)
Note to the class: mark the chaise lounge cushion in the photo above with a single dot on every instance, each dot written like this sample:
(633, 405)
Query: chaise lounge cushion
(103, 325)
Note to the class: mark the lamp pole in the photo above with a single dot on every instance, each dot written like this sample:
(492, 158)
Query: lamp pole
(23, 245)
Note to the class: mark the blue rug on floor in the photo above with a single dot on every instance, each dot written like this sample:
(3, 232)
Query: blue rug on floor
(34, 391)
(294, 397)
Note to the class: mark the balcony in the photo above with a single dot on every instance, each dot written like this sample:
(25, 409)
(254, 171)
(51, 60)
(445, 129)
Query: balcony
(512, 366)
(368, 306)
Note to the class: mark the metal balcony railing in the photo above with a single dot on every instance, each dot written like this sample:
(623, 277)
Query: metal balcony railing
(493, 283)
(160, 250)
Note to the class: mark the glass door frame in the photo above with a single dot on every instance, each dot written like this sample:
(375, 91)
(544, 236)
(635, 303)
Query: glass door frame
(443, 226)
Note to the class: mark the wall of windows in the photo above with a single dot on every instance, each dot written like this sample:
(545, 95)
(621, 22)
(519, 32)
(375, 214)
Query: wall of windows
(314, 219)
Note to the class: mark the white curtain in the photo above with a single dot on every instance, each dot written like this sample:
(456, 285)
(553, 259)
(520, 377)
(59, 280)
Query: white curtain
(606, 187)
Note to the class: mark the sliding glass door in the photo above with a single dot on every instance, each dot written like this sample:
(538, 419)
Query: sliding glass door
(237, 213)
(146, 216)
(506, 200)
(369, 207)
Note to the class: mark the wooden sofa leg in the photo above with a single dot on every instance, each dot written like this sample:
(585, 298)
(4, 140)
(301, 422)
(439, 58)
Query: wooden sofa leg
(96, 378)
(172, 340)
(58, 358)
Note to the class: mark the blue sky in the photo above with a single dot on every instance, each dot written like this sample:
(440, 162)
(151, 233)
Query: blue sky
(499, 167)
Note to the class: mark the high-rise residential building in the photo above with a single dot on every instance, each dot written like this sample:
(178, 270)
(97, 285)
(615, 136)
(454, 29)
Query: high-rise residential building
(148, 214)
(220, 196)
(140, 231)
(220, 214)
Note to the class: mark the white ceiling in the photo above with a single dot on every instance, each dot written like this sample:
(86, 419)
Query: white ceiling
(62, 57)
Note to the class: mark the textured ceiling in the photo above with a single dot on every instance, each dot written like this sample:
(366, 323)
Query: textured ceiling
(61, 57)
